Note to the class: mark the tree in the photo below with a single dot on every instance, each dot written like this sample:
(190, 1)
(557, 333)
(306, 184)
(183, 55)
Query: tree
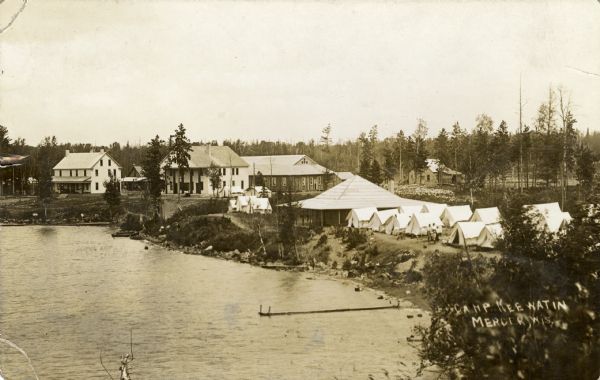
(44, 172)
(456, 143)
(152, 171)
(288, 234)
(419, 152)
(180, 153)
(550, 283)
(112, 195)
(585, 169)
(214, 176)
(442, 148)
(4, 139)
(375, 173)
(366, 156)
(500, 152)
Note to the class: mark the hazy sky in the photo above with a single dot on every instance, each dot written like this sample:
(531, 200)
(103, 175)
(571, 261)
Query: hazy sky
(103, 71)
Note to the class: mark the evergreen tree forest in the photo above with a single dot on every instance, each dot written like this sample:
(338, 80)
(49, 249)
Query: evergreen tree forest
(538, 153)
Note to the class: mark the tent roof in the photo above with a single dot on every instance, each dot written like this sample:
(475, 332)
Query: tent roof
(545, 208)
(363, 214)
(470, 229)
(401, 220)
(413, 209)
(487, 215)
(459, 212)
(435, 208)
(384, 215)
(354, 193)
(495, 229)
(555, 220)
(426, 218)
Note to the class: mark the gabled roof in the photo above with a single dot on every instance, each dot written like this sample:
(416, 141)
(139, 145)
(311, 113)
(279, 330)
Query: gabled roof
(344, 175)
(487, 215)
(83, 160)
(469, 230)
(201, 156)
(356, 192)
(284, 165)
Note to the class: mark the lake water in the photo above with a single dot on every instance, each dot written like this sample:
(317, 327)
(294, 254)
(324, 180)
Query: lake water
(69, 293)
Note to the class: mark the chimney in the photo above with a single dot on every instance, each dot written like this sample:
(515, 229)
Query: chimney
(67, 152)
(101, 150)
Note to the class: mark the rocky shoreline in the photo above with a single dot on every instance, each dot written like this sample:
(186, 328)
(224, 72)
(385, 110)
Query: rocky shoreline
(401, 295)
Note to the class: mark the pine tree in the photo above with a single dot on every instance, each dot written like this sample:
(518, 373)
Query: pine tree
(180, 154)
(375, 173)
(152, 171)
(112, 195)
(441, 144)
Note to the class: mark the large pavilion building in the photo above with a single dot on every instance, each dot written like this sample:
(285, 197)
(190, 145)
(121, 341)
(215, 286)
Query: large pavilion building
(332, 206)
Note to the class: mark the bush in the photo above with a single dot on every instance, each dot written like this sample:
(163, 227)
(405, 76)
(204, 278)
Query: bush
(322, 240)
(354, 237)
(132, 223)
(210, 206)
(347, 265)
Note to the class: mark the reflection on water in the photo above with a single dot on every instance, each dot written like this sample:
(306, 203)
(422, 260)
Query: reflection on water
(68, 293)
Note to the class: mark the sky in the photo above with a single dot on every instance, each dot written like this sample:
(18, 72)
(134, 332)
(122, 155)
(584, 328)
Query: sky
(104, 71)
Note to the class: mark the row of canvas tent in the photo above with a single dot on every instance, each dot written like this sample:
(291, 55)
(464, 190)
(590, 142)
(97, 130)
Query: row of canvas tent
(484, 228)
(250, 204)
(480, 228)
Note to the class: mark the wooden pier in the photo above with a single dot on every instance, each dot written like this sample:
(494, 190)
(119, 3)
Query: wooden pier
(275, 314)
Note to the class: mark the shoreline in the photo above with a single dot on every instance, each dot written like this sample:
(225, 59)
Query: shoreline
(392, 294)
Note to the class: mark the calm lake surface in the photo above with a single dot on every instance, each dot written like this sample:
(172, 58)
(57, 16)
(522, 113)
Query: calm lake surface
(69, 293)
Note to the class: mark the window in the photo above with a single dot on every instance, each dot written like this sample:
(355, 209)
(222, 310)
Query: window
(224, 171)
(101, 162)
(237, 171)
(224, 184)
(242, 185)
(109, 173)
(96, 185)
(84, 172)
(232, 183)
(284, 181)
(60, 173)
(115, 173)
(70, 173)
(109, 162)
(96, 173)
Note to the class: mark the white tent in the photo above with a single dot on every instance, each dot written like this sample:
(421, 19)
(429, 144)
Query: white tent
(489, 235)
(243, 203)
(489, 215)
(232, 205)
(420, 222)
(554, 221)
(260, 205)
(453, 214)
(409, 210)
(360, 217)
(435, 208)
(545, 208)
(380, 217)
(396, 224)
(465, 232)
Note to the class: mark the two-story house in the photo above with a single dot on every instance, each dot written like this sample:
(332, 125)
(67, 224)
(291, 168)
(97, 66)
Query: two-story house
(84, 172)
(233, 171)
(292, 172)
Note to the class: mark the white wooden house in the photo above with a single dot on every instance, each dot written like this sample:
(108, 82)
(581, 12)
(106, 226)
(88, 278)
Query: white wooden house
(82, 173)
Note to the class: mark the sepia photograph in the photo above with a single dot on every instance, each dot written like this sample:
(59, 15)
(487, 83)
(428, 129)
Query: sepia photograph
(316, 189)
